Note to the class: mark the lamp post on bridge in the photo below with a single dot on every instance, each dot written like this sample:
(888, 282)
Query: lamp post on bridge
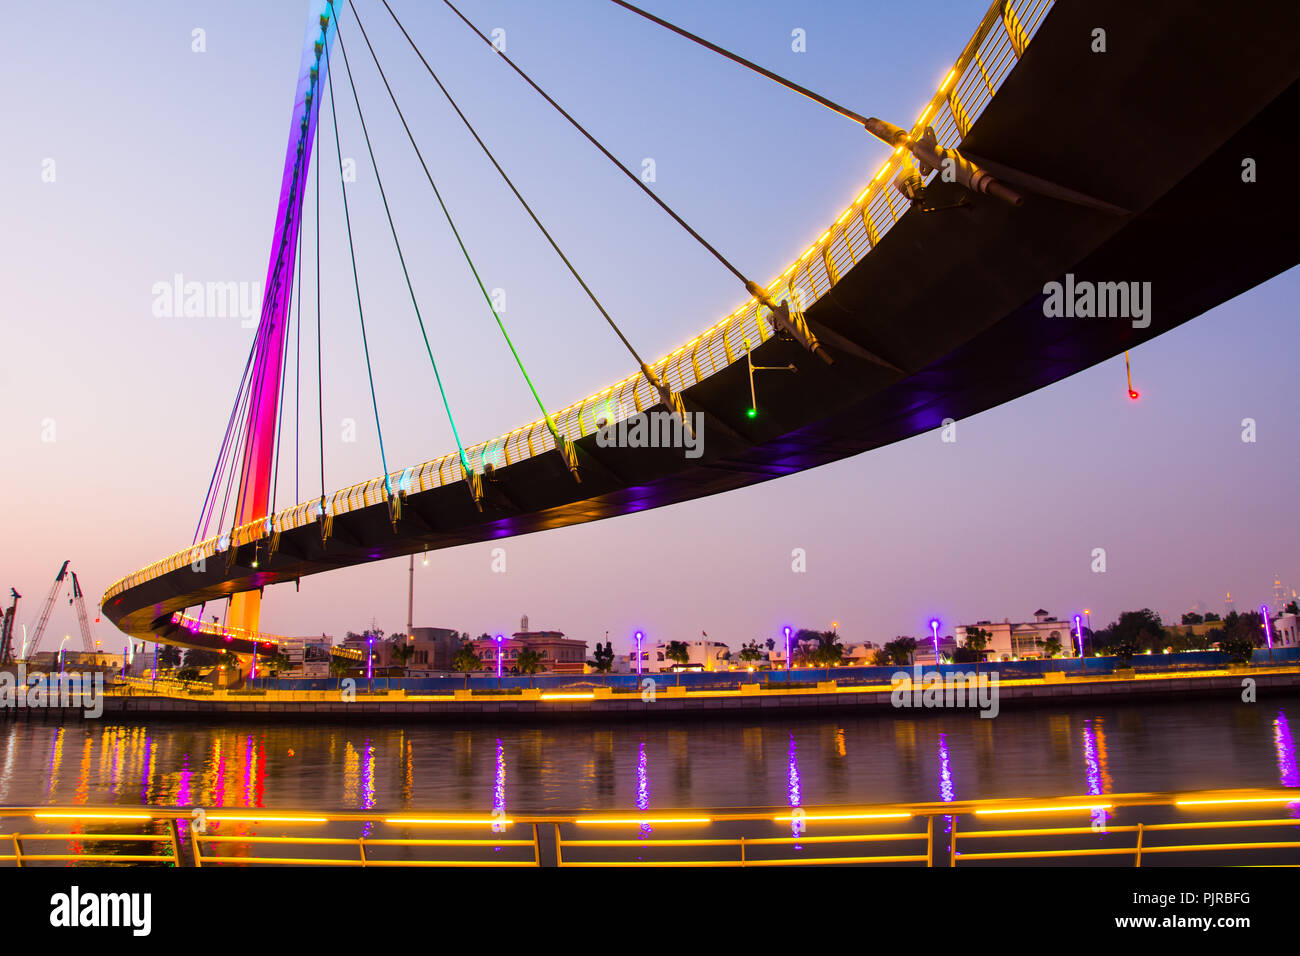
(1078, 634)
(787, 649)
(639, 637)
(934, 628)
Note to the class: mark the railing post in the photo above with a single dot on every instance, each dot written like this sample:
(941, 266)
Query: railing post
(1137, 857)
(952, 847)
(173, 830)
(559, 857)
(361, 845)
(18, 851)
(537, 844)
(929, 841)
(194, 846)
(742, 851)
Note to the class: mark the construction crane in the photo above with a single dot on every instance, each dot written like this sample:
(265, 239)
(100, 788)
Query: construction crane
(76, 599)
(7, 629)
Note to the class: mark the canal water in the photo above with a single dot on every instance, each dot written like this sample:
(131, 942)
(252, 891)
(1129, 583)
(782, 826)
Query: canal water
(735, 763)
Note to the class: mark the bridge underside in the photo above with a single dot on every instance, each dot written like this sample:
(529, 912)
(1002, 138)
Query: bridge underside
(1159, 125)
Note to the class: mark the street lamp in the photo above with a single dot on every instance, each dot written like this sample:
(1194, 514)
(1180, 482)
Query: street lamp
(787, 649)
(1268, 632)
(1078, 633)
(499, 638)
(639, 637)
(934, 628)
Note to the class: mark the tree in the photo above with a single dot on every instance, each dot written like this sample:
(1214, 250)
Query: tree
(188, 674)
(169, 655)
(771, 644)
(528, 661)
(751, 652)
(403, 650)
(1292, 608)
(826, 650)
(466, 660)
(1211, 617)
(901, 649)
(276, 662)
(1051, 646)
(201, 659)
(339, 667)
(677, 651)
(1137, 630)
(603, 657)
(1191, 617)
(973, 650)
(881, 657)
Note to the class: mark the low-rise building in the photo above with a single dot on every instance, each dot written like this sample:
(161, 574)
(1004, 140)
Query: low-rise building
(559, 654)
(1021, 640)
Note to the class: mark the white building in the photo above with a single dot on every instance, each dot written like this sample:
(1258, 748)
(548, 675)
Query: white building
(701, 655)
(1021, 640)
(1286, 630)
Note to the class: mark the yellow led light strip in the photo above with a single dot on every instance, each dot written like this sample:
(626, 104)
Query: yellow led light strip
(1056, 809)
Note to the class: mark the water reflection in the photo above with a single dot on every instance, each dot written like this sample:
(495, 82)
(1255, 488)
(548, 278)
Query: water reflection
(1287, 772)
(794, 789)
(945, 782)
(643, 789)
(1094, 755)
(785, 762)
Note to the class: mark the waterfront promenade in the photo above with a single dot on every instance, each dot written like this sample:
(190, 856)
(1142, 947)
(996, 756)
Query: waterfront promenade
(724, 694)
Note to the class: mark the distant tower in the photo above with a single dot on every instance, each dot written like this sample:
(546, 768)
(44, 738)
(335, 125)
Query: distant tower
(523, 624)
(1229, 605)
(1279, 594)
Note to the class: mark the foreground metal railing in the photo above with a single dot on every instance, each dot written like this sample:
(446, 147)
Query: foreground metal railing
(923, 834)
(992, 52)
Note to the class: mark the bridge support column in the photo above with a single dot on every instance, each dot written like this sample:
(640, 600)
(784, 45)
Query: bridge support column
(245, 611)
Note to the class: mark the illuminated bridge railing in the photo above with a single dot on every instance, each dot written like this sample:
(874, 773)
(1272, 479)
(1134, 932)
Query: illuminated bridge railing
(1208, 827)
(965, 92)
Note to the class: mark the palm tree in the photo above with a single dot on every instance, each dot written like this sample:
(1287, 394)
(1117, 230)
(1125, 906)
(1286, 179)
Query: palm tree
(465, 661)
(403, 651)
(528, 662)
(339, 668)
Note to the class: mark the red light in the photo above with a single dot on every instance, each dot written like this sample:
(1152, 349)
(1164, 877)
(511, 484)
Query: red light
(1132, 394)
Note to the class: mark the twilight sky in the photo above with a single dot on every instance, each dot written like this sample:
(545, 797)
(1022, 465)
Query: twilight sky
(167, 161)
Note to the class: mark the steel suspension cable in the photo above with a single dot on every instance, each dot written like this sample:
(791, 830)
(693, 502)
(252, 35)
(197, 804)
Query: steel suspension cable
(550, 422)
(735, 58)
(460, 447)
(645, 369)
(320, 388)
(356, 281)
(783, 316)
(295, 300)
(595, 142)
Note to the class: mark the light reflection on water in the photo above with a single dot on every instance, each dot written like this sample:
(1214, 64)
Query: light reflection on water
(788, 762)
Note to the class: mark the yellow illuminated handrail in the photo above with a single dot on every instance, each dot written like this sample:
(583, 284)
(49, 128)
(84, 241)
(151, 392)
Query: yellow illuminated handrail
(967, 89)
(913, 822)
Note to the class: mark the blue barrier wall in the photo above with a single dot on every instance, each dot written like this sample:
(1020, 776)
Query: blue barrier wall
(845, 676)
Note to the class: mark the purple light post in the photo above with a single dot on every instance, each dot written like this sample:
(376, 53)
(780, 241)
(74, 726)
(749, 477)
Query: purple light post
(934, 628)
(639, 637)
(499, 639)
(1268, 631)
(370, 658)
(1078, 634)
(787, 649)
